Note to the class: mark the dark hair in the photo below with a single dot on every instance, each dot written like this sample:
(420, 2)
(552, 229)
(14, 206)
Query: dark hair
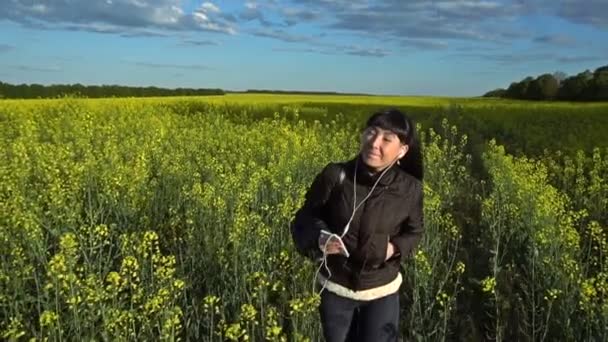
(400, 124)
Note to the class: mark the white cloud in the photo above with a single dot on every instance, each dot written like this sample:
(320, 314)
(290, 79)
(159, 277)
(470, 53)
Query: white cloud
(590, 12)
(138, 3)
(207, 6)
(170, 66)
(200, 16)
(197, 42)
(410, 24)
(40, 8)
(37, 68)
(460, 5)
(556, 39)
(281, 35)
(120, 15)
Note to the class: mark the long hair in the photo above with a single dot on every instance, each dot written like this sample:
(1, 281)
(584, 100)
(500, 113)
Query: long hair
(403, 126)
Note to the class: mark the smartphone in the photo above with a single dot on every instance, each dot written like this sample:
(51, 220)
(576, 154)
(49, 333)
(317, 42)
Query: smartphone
(325, 235)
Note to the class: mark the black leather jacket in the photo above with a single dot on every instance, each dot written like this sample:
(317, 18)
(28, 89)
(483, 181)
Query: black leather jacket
(392, 213)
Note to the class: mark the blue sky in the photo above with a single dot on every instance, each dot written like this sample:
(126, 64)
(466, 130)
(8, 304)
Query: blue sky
(449, 48)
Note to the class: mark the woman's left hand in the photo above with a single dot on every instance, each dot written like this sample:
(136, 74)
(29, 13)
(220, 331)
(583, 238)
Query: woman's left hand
(390, 250)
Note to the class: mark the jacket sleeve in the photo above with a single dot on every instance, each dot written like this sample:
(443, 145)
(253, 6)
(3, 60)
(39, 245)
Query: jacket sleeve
(308, 221)
(413, 228)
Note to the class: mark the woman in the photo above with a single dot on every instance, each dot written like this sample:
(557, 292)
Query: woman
(361, 218)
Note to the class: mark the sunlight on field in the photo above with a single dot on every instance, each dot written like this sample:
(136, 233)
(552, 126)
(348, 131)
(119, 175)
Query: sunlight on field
(320, 100)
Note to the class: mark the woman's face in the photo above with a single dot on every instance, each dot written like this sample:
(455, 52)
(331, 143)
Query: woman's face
(379, 147)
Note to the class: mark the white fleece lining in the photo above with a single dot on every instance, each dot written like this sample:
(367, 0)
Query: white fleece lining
(365, 295)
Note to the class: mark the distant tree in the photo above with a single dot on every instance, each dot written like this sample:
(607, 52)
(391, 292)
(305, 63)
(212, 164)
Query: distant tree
(544, 87)
(585, 86)
(574, 88)
(560, 76)
(513, 90)
(601, 69)
(23, 91)
(519, 90)
(599, 84)
(588, 92)
(496, 93)
(95, 91)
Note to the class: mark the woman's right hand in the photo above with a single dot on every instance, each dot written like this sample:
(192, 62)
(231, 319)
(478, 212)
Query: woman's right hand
(333, 246)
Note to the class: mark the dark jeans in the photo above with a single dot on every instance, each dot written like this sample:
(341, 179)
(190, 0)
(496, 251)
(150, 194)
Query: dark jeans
(345, 319)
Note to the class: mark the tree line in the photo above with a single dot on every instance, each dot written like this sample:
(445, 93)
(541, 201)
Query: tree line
(32, 91)
(585, 86)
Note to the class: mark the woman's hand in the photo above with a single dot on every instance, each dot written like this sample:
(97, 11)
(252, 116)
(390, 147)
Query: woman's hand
(390, 250)
(333, 246)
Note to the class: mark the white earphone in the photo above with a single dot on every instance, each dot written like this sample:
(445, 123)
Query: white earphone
(404, 150)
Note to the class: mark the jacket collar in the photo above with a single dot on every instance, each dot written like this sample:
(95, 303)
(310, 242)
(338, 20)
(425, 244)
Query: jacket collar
(368, 177)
